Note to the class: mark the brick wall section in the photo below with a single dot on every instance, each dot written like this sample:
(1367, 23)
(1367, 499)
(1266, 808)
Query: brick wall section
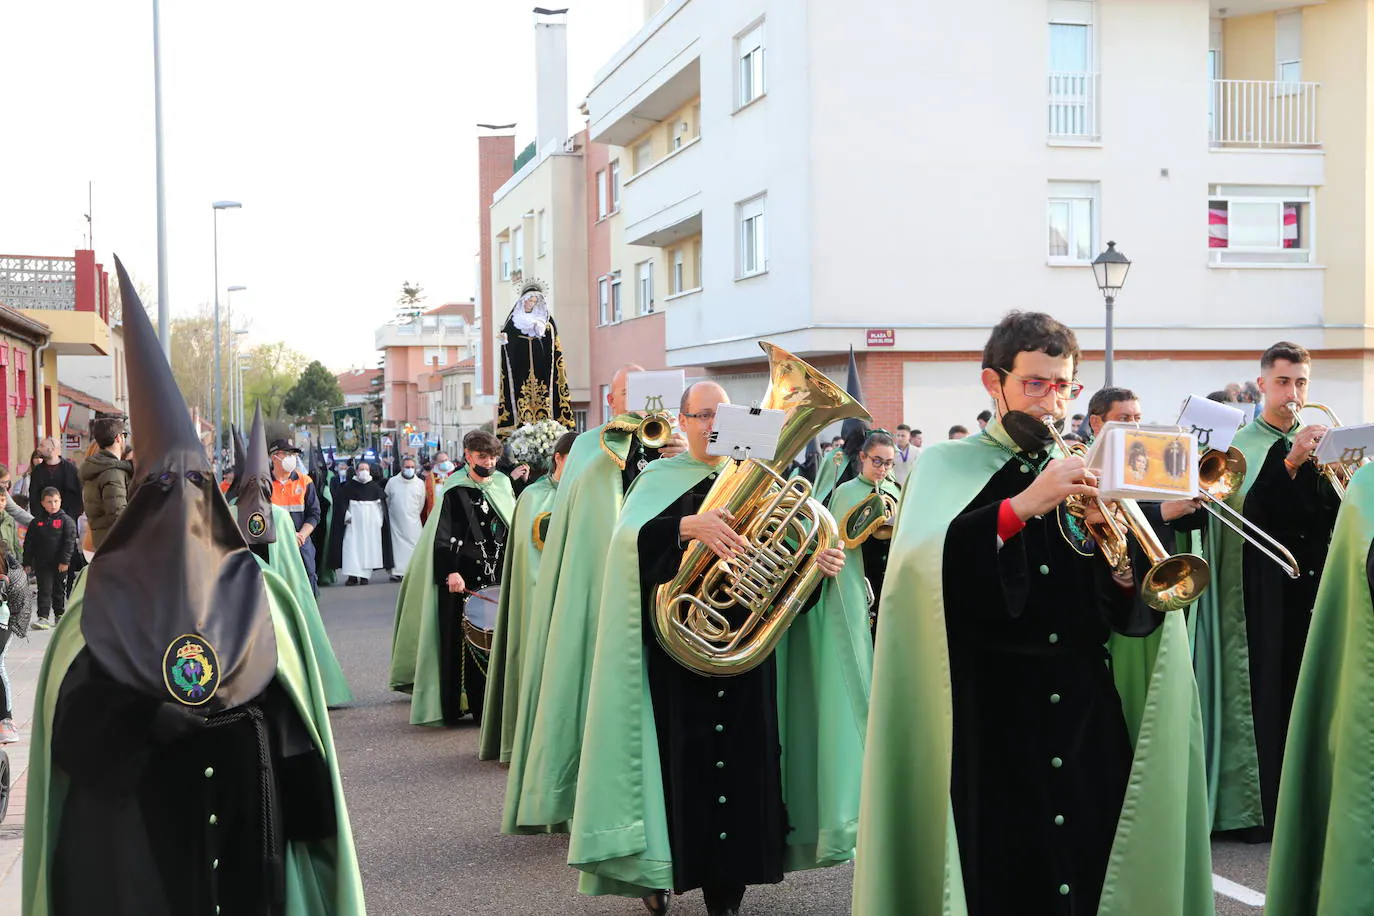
(495, 165)
(881, 376)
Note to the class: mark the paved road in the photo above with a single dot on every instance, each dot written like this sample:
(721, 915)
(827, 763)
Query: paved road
(426, 813)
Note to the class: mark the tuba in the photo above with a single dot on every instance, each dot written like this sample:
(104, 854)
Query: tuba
(766, 585)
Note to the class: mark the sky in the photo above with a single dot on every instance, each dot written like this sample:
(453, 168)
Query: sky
(347, 130)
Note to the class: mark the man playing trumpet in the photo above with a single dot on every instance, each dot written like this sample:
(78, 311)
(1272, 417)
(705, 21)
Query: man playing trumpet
(998, 766)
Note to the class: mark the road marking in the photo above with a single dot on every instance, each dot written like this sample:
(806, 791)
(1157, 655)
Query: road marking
(1237, 891)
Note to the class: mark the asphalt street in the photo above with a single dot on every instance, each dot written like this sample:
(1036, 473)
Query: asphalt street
(426, 812)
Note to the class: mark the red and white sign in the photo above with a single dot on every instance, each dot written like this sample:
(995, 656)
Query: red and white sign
(71, 442)
(63, 412)
(882, 337)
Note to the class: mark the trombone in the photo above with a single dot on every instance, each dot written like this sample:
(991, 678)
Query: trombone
(1219, 475)
(1173, 581)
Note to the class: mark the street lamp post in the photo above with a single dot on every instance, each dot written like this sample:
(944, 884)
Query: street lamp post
(219, 378)
(236, 380)
(234, 418)
(1109, 270)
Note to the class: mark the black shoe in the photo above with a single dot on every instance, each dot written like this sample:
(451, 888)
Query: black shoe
(722, 901)
(395, 578)
(352, 580)
(658, 901)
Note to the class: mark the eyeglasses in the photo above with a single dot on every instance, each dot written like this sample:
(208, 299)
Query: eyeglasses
(881, 463)
(707, 415)
(1039, 387)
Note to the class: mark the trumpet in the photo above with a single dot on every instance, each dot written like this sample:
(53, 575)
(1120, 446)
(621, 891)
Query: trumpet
(1173, 581)
(653, 429)
(1219, 475)
(1337, 474)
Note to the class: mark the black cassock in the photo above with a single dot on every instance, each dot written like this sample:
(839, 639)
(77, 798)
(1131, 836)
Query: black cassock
(192, 814)
(1041, 752)
(345, 493)
(718, 742)
(534, 380)
(469, 540)
(1300, 512)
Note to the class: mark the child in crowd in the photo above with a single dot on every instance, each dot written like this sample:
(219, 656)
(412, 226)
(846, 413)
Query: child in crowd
(14, 622)
(48, 549)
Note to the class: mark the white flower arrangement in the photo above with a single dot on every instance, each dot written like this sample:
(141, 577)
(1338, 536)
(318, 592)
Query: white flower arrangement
(533, 443)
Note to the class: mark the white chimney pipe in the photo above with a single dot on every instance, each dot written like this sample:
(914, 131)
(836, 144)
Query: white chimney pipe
(551, 77)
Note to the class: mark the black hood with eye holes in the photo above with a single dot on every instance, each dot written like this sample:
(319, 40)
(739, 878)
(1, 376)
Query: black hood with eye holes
(175, 605)
(255, 494)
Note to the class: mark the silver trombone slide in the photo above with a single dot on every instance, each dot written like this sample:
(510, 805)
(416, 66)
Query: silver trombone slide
(1279, 554)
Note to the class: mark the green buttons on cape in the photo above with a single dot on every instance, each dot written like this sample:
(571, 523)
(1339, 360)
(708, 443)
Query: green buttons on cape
(720, 728)
(1054, 698)
(1044, 570)
(215, 864)
(1063, 890)
(720, 694)
(213, 820)
(721, 800)
(1054, 638)
(1059, 820)
(209, 771)
(722, 836)
(1024, 469)
(1056, 762)
(720, 764)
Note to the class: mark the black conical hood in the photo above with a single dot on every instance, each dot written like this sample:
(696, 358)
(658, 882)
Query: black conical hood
(255, 488)
(232, 493)
(852, 386)
(174, 604)
(853, 430)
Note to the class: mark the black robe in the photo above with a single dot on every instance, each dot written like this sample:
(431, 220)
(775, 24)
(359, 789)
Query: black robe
(534, 380)
(345, 493)
(1041, 750)
(470, 539)
(193, 815)
(1300, 512)
(718, 742)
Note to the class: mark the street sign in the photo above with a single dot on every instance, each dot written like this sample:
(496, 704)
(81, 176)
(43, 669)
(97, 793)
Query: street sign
(882, 337)
(63, 412)
(417, 440)
(71, 442)
(386, 442)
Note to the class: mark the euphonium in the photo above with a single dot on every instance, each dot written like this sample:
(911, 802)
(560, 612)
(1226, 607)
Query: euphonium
(764, 587)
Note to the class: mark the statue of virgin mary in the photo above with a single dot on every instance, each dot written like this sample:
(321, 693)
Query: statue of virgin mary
(534, 381)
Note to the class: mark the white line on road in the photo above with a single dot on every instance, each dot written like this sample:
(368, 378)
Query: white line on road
(1237, 891)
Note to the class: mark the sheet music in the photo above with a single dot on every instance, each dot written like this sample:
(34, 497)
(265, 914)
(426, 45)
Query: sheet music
(746, 432)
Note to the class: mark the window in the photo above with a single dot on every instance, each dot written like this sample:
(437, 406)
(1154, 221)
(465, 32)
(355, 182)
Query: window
(643, 156)
(617, 312)
(1288, 49)
(579, 421)
(615, 185)
(753, 236)
(644, 288)
(504, 255)
(517, 240)
(1072, 222)
(541, 227)
(467, 395)
(676, 282)
(601, 208)
(749, 53)
(1072, 76)
(1256, 224)
(603, 298)
(436, 353)
(21, 384)
(606, 404)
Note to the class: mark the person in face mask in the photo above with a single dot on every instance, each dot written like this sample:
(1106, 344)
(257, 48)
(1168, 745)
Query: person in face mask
(361, 541)
(439, 472)
(294, 491)
(405, 501)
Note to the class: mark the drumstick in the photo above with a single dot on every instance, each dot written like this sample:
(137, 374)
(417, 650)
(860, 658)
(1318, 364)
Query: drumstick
(480, 597)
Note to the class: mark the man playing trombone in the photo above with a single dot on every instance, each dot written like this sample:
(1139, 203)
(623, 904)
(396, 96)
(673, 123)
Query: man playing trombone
(1251, 644)
(998, 763)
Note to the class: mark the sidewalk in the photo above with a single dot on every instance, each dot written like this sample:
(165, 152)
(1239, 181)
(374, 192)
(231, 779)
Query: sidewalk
(23, 661)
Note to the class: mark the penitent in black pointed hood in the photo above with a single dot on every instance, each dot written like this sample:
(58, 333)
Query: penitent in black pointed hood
(174, 604)
(255, 489)
(853, 429)
(236, 435)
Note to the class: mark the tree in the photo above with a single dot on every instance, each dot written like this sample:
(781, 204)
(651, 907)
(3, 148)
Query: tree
(408, 305)
(272, 371)
(193, 359)
(314, 395)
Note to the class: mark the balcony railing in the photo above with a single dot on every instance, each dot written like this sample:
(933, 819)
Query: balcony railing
(1073, 106)
(1264, 114)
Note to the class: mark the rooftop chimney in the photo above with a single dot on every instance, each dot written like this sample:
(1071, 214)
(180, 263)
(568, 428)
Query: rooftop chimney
(551, 77)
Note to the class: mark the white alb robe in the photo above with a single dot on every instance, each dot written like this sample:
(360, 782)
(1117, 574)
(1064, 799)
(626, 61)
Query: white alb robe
(362, 542)
(405, 500)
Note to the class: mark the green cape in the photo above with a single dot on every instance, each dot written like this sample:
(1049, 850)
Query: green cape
(908, 857)
(517, 588)
(542, 783)
(415, 636)
(1322, 862)
(832, 466)
(322, 878)
(1222, 658)
(284, 558)
(323, 574)
(620, 834)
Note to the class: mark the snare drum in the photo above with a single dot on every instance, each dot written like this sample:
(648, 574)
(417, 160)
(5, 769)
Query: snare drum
(479, 616)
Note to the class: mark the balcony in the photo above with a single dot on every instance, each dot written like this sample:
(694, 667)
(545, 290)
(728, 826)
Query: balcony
(68, 294)
(662, 204)
(1263, 114)
(1073, 107)
(651, 76)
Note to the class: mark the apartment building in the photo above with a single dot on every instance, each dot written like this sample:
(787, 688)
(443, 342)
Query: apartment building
(414, 349)
(890, 177)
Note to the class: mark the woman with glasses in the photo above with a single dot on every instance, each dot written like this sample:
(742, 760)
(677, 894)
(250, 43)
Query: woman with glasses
(863, 503)
(998, 739)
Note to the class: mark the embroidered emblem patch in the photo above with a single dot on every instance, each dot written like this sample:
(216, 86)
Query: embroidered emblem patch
(190, 669)
(257, 525)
